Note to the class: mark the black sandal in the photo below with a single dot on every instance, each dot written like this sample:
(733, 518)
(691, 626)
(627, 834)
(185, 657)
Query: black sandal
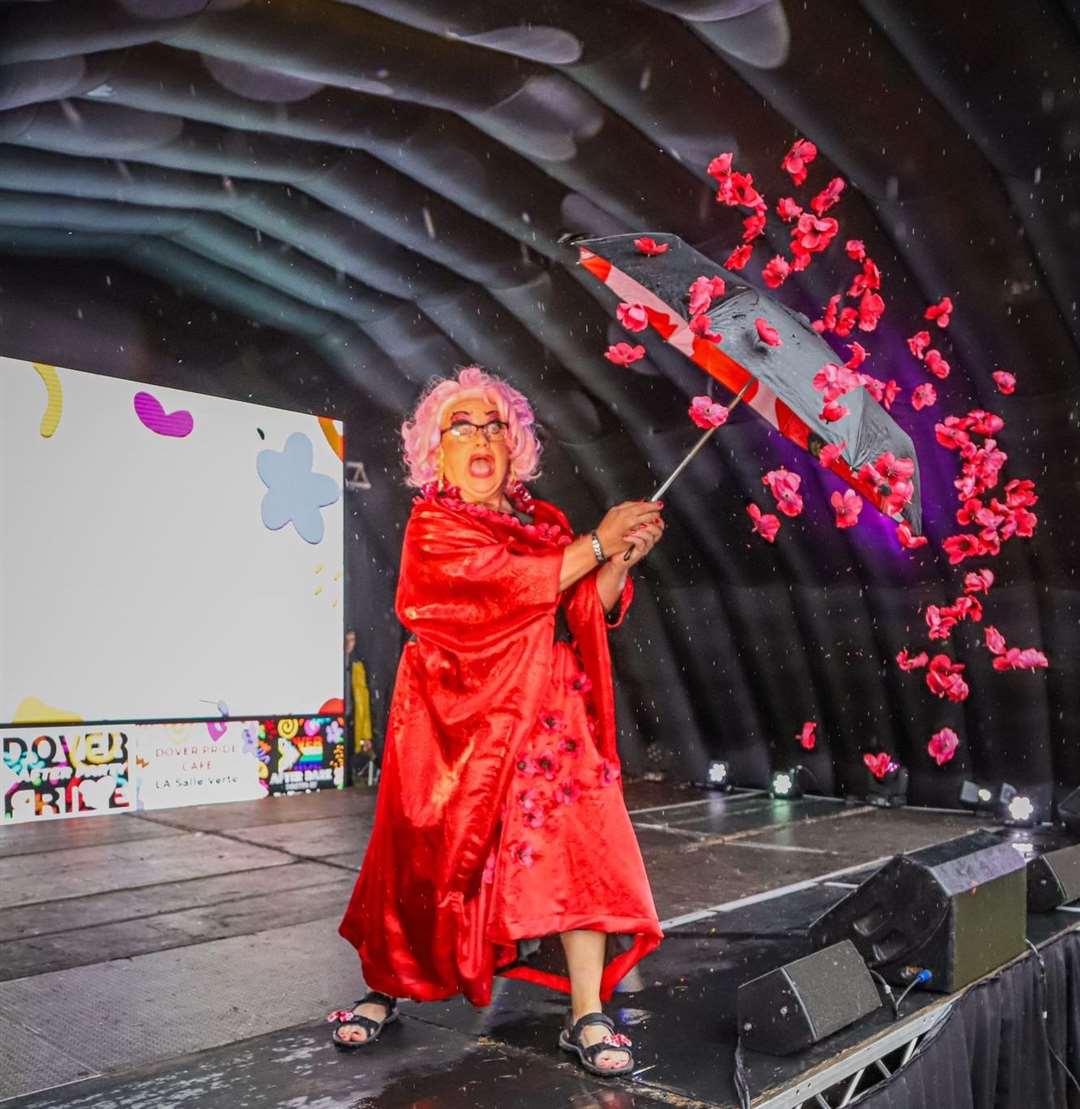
(570, 1040)
(341, 1017)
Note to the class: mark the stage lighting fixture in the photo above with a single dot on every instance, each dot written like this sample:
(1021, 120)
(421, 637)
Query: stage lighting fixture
(718, 775)
(1020, 812)
(658, 759)
(1004, 801)
(889, 791)
(790, 783)
(983, 798)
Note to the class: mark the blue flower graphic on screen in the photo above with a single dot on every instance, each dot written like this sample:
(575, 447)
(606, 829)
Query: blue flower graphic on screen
(251, 739)
(293, 492)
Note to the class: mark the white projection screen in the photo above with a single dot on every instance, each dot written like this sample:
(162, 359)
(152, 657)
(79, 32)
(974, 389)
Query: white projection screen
(164, 551)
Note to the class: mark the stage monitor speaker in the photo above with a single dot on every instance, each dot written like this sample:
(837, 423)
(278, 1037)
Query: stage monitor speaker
(1053, 879)
(957, 909)
(798, 1004)
(1068, 811)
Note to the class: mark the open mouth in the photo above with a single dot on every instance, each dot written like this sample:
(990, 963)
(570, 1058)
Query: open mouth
(482, 466)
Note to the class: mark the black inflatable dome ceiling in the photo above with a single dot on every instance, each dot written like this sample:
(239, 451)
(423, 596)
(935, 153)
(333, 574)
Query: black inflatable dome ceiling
(323, 203)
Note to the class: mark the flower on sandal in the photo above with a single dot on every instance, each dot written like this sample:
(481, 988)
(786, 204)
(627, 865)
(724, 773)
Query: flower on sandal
(617, 1039)
(343, 1015)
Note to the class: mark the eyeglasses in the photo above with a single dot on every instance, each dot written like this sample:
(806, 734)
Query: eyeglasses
(463, 429)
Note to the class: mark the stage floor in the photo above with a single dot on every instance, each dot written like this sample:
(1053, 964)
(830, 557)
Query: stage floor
(188, 957)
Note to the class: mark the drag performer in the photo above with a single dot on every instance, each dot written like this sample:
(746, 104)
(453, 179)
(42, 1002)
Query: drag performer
(501, 841)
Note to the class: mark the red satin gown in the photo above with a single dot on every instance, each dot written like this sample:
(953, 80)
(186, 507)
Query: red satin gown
(500, 819)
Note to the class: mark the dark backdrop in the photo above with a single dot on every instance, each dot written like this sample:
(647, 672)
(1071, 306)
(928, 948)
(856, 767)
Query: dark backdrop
(320, 204)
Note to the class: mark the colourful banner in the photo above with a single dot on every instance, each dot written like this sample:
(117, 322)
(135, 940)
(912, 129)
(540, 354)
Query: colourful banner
(197, 764)
(79, 770)
(306, 755)
(69, 770)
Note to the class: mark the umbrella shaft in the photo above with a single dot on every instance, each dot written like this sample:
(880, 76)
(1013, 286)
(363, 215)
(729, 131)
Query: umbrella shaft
(662, 489)
(698, 445)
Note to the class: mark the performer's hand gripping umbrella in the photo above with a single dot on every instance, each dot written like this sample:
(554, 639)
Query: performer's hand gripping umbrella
(775, 380)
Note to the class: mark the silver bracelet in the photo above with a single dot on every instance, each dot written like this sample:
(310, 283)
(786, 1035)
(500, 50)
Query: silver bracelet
(597, 550)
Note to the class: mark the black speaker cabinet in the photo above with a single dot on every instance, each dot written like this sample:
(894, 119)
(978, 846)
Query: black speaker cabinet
(957, 909)
(1053, 879)
(1069, 810)
(802, 1002)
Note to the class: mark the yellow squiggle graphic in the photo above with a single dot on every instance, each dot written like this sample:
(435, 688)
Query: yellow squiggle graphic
(32, 710)
(333, 436)
(50, 421)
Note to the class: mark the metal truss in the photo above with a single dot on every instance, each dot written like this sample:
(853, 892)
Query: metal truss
(837, 1083)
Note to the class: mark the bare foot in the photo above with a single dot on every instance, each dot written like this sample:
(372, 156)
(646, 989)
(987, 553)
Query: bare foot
(356, 1033)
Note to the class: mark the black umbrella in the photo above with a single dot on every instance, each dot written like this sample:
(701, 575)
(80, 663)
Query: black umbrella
(776, 381)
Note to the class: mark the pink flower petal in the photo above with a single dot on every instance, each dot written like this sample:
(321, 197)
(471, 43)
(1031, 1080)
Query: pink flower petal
(765, 524)
(941, 312)
(801, 154)
(650, 246)
(923, 396)
(632, 316)
(912, 662)
(707, 414)
(623, 354)
(942, 746)
(1005, 381)
(776, 272)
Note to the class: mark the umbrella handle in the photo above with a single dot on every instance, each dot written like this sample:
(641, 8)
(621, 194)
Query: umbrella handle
(685, 462)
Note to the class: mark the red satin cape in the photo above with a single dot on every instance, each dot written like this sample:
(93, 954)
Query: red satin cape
(479, 687)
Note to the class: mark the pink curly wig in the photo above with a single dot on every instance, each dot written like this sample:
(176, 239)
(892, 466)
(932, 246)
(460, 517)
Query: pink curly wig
(420, 434)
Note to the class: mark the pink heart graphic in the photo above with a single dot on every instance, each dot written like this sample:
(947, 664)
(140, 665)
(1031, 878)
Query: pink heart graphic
(177, 424)
(216, 728)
